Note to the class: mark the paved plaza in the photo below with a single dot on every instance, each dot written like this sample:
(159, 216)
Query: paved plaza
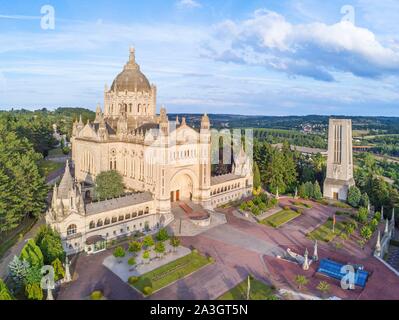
(123, 270)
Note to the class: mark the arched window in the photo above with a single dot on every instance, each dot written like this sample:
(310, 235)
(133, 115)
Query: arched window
(71, 229)
(134, 214)
(92, 225)
(127, 216)
(114, 219)
(147, 210)
(99, 223)
(106, 221)
(121, 218)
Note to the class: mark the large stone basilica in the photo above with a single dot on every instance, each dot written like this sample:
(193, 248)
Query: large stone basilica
(164, 164)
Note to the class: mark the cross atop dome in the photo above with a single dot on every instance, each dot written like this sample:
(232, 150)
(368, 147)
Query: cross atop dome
(132, 64)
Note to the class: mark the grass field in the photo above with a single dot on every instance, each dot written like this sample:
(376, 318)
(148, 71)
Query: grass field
(46, 166)
(325, 233)
(278, 219)
(170, 272)
(259, 291)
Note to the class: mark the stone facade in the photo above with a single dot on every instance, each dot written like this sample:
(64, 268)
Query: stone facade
(167, 160)
(339, 160)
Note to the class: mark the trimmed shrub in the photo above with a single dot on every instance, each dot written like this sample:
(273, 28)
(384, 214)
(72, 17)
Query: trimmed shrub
(255, 210)
(96, 295)
(366, 232)
(362, 215)
(354, 196)
(162, 235)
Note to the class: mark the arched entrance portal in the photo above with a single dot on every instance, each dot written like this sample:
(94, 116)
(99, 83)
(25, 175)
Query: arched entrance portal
(181, 188)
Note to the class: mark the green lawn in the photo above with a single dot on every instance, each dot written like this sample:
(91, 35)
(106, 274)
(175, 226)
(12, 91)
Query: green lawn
(324, 232)
(46, 166)
(259, 291)
(170, 272)
(302, 204)
(281, 217)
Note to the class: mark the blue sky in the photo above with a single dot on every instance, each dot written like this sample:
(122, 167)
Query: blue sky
(246, 57)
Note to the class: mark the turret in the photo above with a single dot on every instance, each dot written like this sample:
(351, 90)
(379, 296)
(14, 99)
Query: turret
(79, 125)
(98, 114)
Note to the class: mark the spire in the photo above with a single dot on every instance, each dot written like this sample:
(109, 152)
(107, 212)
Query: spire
(205, 124)
(98, 114)
(131, 64)
(66, 183)
(305, 265)
(386, 226)
(393, 216)
(177, 120)
(378, 244)
(183, 121)
(53, 200)
(67, 277)
(315, 254)
(80, 119)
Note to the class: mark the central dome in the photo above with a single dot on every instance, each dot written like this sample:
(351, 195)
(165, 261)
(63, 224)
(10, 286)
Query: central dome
(131, 78)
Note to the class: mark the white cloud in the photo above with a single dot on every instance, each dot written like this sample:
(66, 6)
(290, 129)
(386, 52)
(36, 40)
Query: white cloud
(314, 49)
(189, 4)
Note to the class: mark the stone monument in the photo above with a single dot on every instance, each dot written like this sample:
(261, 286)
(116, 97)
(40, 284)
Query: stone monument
(339, 161)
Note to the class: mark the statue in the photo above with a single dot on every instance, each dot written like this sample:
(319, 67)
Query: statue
(296, 193)
(277, 196)
(378, 245)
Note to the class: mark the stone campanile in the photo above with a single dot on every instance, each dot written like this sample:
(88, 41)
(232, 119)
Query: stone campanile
(340, 161)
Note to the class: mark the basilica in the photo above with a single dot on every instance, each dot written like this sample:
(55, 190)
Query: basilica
(165, 164)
